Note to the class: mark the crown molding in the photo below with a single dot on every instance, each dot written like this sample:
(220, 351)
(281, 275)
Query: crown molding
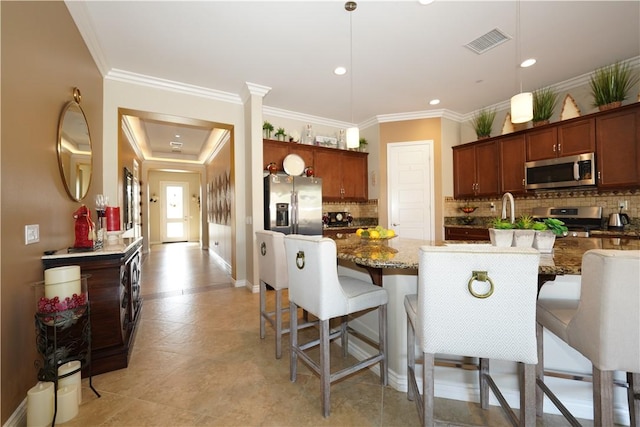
(80, 15)
(173, 86)
(286, 114)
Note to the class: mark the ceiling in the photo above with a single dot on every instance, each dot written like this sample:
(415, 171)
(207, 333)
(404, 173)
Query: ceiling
(403, 53)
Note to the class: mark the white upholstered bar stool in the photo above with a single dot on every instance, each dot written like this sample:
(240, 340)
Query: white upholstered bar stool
(272, 265)
(603, 325)
(476, 301)
(315, 286)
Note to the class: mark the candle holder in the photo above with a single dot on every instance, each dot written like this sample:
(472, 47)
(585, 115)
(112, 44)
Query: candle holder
(61, 304)
(63, 336)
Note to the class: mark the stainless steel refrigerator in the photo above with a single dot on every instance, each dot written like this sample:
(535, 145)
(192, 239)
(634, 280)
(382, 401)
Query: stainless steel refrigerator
(293, 204)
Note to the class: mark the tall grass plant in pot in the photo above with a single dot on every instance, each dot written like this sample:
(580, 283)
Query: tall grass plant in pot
(544, 102)
(610, 85)
(482, 122)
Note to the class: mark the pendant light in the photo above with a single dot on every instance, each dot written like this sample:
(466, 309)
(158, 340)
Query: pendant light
(522, 103)
(353, 133)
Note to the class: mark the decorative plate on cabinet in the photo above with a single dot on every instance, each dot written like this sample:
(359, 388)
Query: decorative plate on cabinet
(569, 108)
(293, 165)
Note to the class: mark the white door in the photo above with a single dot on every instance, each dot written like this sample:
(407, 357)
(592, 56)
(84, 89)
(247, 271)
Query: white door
(175, 211)
(410, 189)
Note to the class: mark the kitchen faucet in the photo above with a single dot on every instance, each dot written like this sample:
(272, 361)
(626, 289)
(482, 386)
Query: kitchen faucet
(505, 197)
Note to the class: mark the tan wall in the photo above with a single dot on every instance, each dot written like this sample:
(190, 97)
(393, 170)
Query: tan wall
(405, 131)
(220, 236)
(43, 58)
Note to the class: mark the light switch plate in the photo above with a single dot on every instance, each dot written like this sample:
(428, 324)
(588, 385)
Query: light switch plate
(31, 234)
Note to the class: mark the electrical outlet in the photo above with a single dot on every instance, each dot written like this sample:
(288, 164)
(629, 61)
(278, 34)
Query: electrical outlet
(493, 207)
(623, 204)
(31, 234)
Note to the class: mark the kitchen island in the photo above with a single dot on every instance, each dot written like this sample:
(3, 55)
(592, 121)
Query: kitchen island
(393, 264)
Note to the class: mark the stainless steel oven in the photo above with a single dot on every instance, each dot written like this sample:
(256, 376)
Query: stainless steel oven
(569, 171)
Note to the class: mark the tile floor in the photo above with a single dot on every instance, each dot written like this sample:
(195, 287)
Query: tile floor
(198, 360)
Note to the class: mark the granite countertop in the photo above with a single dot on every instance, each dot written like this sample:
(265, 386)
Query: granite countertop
(119, 247)
(402, 253)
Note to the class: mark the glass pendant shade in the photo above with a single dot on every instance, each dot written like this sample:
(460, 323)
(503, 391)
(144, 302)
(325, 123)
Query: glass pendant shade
(353, 137)
(522, 107)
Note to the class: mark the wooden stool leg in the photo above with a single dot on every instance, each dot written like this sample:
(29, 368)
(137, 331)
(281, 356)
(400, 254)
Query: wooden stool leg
(293, 337)
(633, 394)
(602, 397)
(383, 344)
(325, 370)
(484, 385)
(411, 357)
(278, 323)
(528, 395)
(263, 307)
(540, 370)
(428, 389)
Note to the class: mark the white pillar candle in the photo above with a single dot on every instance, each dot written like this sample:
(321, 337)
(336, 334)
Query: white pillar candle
(40, 405)
(73, 379)
(67, 404)
(62, 282)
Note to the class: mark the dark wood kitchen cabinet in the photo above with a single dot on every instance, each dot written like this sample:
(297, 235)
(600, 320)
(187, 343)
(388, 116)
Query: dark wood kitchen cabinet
(344, 173)
(617, 151)
(114, 298)
(466, 233)
(513, 155)
(476, 169)
(576, 136)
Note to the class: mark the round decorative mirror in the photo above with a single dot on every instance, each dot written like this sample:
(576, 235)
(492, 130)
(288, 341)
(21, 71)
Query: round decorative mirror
(74, 149)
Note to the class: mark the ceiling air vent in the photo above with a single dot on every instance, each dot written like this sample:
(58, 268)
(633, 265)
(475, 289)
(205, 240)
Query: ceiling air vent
(488, 41)
(175, 146)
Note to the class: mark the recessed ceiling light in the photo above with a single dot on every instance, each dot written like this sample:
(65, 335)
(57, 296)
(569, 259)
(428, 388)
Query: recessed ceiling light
(177, 135)
(425, 2)
(340, 71)
(434, 102)
(527, 63)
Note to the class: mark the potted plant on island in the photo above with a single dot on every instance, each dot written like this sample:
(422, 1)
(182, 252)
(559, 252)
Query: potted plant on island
(280, 134)
(523, 234)
(501, 232)
(546, 233)
(610, 84)
(482, 123)
(544, 102)
(267, 128)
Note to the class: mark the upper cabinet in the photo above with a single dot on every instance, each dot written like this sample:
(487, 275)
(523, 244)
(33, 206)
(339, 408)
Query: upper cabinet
(617, 151)
(344, 173)
(576, 136)
(512, 159)
(496, 165)
(475, 169)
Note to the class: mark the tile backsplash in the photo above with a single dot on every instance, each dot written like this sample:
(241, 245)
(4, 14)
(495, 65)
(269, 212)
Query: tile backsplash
(525, 204)
(359, 210)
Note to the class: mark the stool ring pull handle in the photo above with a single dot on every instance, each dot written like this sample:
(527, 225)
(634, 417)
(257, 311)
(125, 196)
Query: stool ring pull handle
(300, 260)
(480, 276)
(263, 248)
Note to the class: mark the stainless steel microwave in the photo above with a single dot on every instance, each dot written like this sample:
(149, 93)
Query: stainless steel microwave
(569, 171)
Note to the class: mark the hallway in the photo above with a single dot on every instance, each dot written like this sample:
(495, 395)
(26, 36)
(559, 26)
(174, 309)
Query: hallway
(198, 360)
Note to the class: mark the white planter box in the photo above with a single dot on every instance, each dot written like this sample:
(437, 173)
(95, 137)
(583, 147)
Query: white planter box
(523, 238)
(544, 241)
(499, 237)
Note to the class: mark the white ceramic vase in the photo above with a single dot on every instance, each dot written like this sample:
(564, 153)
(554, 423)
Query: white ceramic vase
(523, 238)
(501, 237)
(544, 241)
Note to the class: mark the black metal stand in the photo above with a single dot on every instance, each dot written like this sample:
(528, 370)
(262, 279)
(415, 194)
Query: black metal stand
(61, 337)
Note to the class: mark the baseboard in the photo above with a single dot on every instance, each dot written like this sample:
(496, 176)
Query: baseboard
(19, 416)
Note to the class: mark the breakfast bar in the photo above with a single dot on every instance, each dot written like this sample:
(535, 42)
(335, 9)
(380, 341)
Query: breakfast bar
(393, 264)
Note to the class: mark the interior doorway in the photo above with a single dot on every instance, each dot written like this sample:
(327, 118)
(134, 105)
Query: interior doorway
(410, 189)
